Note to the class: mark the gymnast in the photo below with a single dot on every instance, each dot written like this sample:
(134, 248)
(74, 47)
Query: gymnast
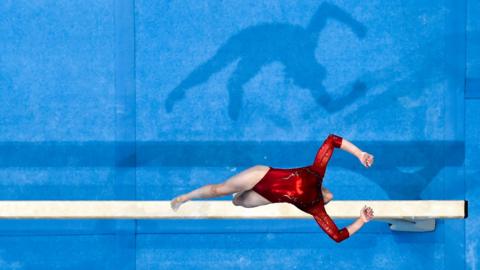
(302, 187)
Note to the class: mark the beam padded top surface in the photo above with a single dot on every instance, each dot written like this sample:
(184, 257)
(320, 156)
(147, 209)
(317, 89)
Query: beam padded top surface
(405, 209)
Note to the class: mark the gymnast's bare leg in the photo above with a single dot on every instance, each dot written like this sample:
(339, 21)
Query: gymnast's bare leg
(238, 183)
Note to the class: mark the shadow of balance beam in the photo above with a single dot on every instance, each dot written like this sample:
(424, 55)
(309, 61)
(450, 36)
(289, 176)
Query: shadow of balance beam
(412, 164)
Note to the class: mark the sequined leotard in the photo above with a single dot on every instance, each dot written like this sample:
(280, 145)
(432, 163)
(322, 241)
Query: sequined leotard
(302, 188)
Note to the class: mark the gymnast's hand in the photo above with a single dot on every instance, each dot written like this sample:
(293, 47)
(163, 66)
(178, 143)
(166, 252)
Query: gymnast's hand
(366, 214)
(366, 159)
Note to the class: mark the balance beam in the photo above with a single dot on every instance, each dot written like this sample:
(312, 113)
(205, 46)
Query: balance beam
(404, 215)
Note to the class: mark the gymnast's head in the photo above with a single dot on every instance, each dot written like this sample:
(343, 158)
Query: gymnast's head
(327, 195)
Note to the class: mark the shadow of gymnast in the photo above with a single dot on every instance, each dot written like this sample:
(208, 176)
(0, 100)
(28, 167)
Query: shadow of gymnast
(292, 45)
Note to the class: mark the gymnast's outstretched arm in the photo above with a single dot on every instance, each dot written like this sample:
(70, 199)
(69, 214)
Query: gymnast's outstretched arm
(365, 158)
(331, 229)
(366, 214)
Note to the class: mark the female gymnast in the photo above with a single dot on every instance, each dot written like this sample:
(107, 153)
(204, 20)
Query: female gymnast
(302, 187)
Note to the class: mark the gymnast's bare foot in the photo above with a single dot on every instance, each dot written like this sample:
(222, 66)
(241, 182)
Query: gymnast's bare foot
(177, 202)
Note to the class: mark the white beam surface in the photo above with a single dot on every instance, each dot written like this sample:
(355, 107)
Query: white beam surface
(383, 209)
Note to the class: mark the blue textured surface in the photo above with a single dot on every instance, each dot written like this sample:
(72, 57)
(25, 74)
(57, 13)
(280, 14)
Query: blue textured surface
(472, 84)
(149, 99)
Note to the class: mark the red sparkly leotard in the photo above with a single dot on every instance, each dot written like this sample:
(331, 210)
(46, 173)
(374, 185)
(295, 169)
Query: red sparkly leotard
(302, 188)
